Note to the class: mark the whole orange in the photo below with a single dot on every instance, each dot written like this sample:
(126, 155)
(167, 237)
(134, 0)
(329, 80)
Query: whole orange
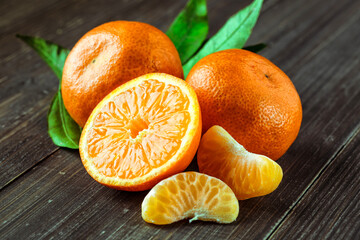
(249, 97)
(110, 55)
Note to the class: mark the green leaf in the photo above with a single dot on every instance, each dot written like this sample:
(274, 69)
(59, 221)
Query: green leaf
(62, 129)
(51, 53)
(233, 34)
(256, 48)
(189, 29)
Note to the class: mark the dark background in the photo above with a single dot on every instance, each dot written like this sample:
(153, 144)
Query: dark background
(46, 193)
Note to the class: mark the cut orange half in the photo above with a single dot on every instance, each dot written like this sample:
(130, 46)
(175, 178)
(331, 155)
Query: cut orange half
(247, 174)
(142, 132)
(190, 195)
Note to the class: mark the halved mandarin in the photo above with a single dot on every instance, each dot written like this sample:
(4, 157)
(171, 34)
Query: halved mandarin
(190, 195)
(142, 132)
(247, 174)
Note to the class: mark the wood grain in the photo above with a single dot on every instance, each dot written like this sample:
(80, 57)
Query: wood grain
(25, 94)
(46, 192)
(27, 85)
(331, 207)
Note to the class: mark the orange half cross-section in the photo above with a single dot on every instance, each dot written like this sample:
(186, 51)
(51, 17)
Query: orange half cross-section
(142, 132)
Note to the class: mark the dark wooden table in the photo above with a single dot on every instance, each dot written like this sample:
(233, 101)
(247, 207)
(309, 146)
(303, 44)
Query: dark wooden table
(46, 193)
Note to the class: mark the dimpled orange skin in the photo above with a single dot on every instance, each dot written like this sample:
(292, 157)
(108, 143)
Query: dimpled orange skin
(250, 97)
(110, 55)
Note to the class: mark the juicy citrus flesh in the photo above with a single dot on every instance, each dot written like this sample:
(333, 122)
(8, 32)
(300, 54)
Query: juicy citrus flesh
(110, 55)
(190, 195)
(143, 131)
(247, 174)
(250, 97)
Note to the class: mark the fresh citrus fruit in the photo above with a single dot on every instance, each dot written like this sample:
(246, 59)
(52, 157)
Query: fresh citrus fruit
(247, 174)
(142, 132)
(110, 55)
(190, 195)
(250, 97)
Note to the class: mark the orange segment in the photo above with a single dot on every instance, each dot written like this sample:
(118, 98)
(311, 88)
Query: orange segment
(247, 174)
(190, 195)
(142, 132)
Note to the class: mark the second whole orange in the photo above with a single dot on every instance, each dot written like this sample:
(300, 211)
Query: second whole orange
(250, 97)
(110, 55)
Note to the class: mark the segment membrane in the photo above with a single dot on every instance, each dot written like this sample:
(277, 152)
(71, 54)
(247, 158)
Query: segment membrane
(170, 101)
(174, 125)
(190, 195)
(119, 146)
(159, 149)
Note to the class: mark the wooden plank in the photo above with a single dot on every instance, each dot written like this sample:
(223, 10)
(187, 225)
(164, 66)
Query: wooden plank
(30, 205)
(331, 207)
(27, 84)
(330, 101)
(16, 12)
